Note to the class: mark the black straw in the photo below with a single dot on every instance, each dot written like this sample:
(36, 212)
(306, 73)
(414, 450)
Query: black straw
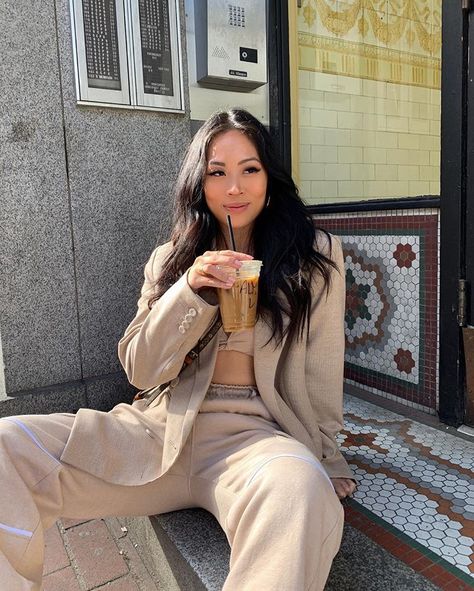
(231, 232)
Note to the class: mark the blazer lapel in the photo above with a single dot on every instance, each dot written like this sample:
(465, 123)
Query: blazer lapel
(266, 358)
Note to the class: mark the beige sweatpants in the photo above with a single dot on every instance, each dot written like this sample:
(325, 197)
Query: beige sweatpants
(271, 496)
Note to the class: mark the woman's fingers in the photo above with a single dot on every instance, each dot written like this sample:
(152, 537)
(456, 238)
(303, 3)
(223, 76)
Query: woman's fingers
(223, 259)
(197, 280)
(214, 282)
(226, 258)
(219, 278)
(228, 253)
(216, 269)
(215, 275)
(221, 272)
(344, 487)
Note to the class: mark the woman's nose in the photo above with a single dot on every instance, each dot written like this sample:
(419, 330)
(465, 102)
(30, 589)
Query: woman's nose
(234, 187)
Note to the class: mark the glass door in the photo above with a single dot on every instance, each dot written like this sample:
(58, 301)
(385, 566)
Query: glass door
(382, 164)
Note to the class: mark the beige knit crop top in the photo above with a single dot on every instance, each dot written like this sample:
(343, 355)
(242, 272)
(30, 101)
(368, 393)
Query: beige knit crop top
(241, 341)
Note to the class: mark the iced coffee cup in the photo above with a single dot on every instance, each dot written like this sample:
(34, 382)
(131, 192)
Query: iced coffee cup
(238, 304)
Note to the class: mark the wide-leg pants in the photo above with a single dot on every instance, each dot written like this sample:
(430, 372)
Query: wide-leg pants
(271, 496)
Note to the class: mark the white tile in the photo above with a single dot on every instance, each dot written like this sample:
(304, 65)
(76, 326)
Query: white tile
(453, 533)
(417, 512)
(464, 550)
(435, 543)
(448, 551)
(410, 527)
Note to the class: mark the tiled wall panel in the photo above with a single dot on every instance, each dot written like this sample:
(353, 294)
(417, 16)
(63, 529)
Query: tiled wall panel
(391, 321)
(369, 77)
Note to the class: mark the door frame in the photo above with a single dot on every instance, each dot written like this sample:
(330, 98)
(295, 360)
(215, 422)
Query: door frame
(456, 183)
(279, 78)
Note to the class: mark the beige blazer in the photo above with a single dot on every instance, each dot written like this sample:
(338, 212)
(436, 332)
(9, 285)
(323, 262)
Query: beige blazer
(300, 383)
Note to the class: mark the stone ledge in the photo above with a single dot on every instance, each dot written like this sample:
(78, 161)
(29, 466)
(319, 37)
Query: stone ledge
(206, 551)
(177, 560)
(188, 551)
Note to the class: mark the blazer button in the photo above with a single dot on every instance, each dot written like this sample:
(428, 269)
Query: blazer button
(192, 311)
(188, 318)
(185, 323)
(181, 329)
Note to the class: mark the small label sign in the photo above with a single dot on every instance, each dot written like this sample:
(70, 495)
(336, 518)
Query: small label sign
(238, 73)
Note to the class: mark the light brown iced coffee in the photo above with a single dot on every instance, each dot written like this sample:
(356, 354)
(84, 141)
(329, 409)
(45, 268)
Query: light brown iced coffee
(239, 303)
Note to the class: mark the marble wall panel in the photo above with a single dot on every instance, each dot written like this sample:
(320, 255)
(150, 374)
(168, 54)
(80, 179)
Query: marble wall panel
(121, 166)
(38, 314)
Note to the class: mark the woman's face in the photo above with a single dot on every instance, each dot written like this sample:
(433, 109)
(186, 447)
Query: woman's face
(235, 182)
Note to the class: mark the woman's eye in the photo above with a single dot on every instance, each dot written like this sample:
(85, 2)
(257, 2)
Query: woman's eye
(215, 172)
(252, 169)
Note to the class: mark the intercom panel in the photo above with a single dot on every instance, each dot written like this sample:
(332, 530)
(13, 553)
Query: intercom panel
(231, 43)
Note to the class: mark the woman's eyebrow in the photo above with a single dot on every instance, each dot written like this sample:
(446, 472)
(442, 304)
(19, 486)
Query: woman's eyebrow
(248, 160)
(215, 162)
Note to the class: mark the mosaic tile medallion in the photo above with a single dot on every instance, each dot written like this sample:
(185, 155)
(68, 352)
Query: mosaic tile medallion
(391, 324)
(383, 304)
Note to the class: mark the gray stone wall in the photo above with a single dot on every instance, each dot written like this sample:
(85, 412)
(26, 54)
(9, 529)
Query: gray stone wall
(85, 195)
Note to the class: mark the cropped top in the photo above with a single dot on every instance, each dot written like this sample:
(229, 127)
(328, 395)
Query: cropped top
(241, 341)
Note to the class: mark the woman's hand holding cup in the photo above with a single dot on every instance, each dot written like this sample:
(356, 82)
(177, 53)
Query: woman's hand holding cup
(215, 269)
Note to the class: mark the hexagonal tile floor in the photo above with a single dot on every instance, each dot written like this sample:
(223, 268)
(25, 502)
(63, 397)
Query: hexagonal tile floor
(415, 481)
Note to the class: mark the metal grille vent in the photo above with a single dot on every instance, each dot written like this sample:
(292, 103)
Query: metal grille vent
(220, 52)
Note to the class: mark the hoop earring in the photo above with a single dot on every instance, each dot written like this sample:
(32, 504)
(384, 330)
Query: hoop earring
(268, 201)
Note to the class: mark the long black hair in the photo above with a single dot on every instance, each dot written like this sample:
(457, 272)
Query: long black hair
(283, 235)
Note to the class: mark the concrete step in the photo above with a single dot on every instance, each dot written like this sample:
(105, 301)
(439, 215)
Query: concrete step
(188, 551)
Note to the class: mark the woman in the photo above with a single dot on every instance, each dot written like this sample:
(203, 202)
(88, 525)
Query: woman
(247, 430)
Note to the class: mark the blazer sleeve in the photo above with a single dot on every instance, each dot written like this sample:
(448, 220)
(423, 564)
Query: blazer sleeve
(155, 343)
(325, 360)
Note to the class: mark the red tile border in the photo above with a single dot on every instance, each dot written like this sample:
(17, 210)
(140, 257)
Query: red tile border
(438, 575)
(442, 579)
(422, 565)
(412, 557)
(457, 586)
(430, 569)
